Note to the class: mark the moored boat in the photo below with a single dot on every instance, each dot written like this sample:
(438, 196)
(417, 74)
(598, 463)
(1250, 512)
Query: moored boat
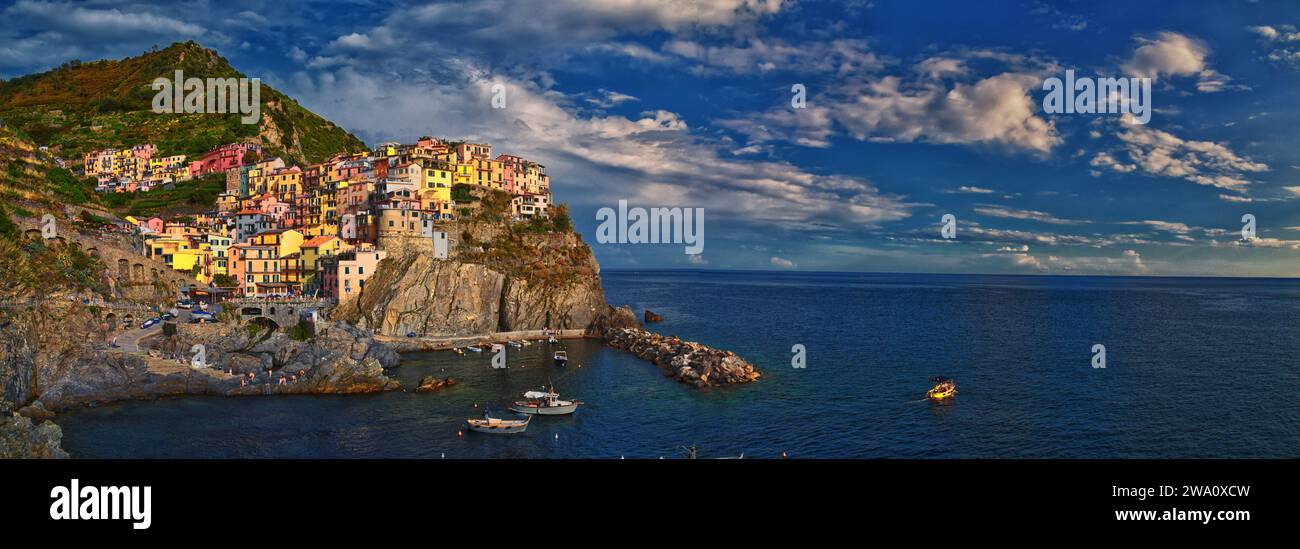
(495, 425)
(561, 358)
(546, 403)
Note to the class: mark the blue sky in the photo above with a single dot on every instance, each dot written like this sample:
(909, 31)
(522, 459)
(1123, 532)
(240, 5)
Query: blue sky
(914, 110)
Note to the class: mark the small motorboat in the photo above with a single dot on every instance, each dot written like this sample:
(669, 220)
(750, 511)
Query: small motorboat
(551, 340)
(515, 344)
(474, 349)
(546, 403)
(561, 358)
(496, 425)
(945, 391)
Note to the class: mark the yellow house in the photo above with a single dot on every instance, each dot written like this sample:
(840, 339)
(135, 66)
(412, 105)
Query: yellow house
(165, 248)
(219, 245)
(316, 249)
(436, 182)
(193, 261)
(286, 241)
(464, 174)
(285, 183)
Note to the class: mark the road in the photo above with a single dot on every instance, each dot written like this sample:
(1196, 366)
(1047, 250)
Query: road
(129, 341)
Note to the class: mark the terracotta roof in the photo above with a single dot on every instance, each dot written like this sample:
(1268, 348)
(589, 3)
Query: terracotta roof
(317, 241)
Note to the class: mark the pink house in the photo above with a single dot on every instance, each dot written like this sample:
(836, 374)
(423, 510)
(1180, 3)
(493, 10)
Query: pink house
(222, 158)
(155, 225)
(272, 209)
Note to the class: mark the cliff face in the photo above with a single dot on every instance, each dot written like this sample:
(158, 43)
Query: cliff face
(415, 293)
(41, 343)
(514, 282)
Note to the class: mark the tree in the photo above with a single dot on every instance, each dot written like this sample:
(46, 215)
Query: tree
(563, 223)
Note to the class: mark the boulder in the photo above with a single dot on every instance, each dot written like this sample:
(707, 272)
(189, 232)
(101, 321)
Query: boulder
(429, 384)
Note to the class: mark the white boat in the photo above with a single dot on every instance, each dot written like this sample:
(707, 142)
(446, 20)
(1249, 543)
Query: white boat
(495, 425)
(561, 358)
(516, 344)
(546, 403)
(552, 340)
(474, 349)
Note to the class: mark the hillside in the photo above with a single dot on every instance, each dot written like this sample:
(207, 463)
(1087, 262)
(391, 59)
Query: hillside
(80, 107)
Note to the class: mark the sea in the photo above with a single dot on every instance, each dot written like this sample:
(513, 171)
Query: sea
(1193, 368)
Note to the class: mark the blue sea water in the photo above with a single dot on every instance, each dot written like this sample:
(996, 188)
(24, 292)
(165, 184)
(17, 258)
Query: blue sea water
(1195, 368)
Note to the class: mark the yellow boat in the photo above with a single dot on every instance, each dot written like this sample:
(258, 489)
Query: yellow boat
(945, 390)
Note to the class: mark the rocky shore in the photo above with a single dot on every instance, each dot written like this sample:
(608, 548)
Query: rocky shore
(337, 359)
(686, 361)
(21, 438)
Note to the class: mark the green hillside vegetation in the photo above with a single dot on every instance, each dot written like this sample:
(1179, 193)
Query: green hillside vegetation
(79, 107)
(37, 268)
(193, 196)
(29, 181)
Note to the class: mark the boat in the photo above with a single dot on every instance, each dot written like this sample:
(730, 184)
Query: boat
(474, 349)
(515, 344)
(561, 358)
(945, 391)
(551, 340)
(496, 425)
(546, 403)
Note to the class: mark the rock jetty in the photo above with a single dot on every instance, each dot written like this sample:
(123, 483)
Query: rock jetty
(687, 361)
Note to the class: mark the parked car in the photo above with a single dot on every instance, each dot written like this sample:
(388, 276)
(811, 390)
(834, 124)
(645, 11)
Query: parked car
(149, 323)
(185, 304)
(168, 316)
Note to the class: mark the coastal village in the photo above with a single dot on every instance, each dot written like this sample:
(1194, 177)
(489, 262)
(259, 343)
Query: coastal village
(320, 230)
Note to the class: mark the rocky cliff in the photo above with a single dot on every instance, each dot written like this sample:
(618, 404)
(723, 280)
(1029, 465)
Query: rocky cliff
(515, 281)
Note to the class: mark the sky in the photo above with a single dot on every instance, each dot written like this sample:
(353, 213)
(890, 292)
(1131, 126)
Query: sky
(912, 110)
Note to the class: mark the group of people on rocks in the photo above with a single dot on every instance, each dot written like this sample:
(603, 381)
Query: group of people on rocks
(251, 377)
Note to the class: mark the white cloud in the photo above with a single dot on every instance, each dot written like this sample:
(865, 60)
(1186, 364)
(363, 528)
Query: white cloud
(782, 262)
(1280, 40)
(1170, 54)
(1160, 153)
(843, 56)
(1032, 215)
(998, 110)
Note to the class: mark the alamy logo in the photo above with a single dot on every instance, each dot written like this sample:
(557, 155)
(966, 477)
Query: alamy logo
(656, 226)
(1085, 95)
(210, 96)
(78, 502)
